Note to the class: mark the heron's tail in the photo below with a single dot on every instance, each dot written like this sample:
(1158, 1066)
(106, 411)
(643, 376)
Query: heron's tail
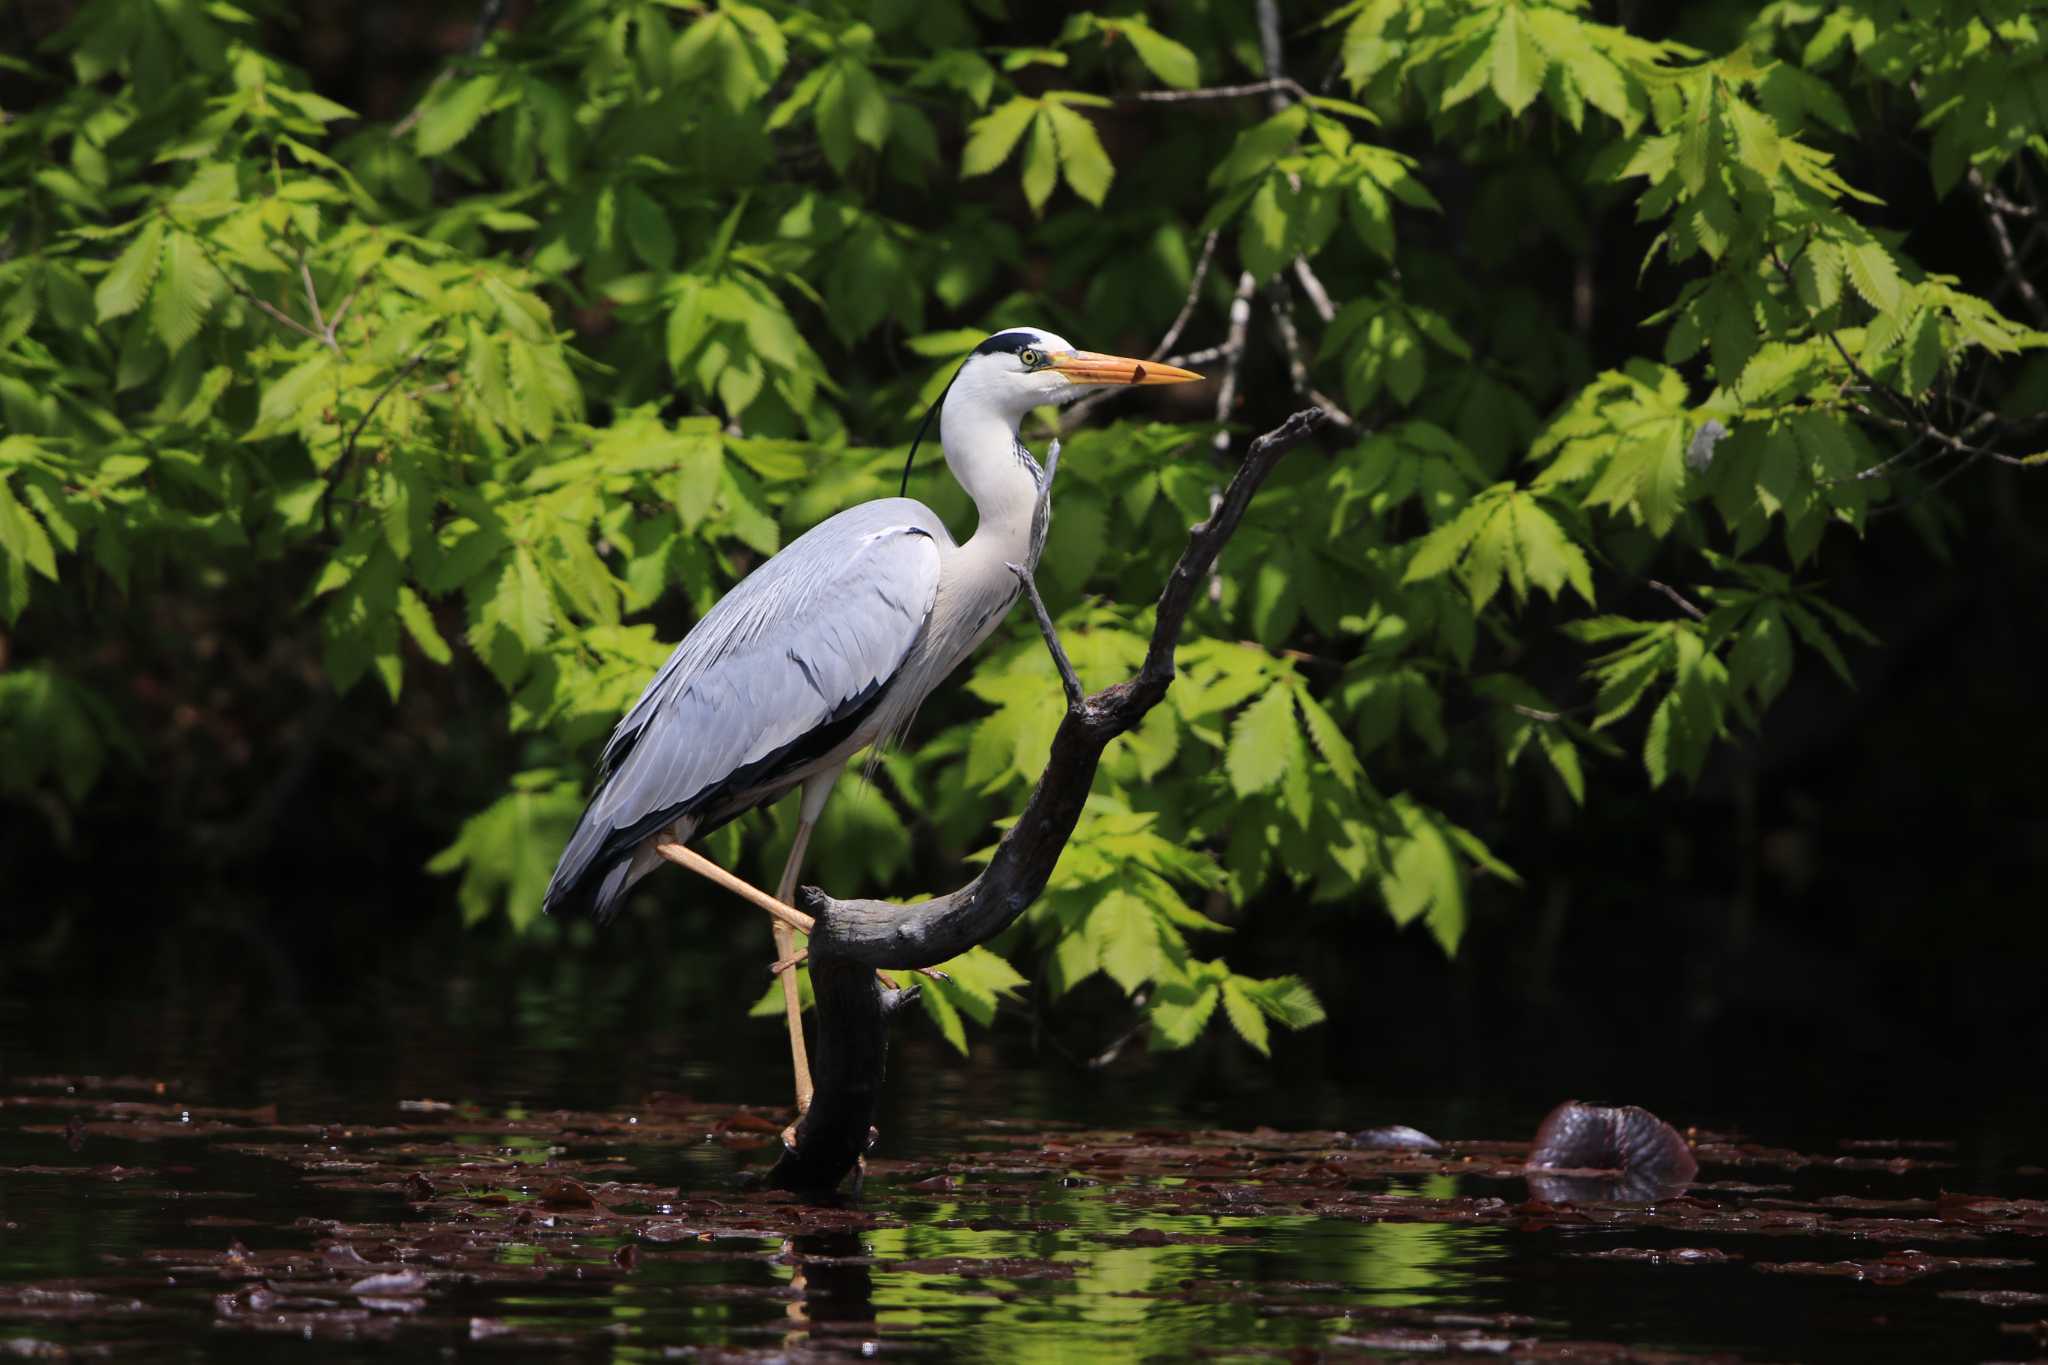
(597, 869)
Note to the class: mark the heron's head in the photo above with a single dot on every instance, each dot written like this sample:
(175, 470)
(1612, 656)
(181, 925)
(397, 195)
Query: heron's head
(1021, 368)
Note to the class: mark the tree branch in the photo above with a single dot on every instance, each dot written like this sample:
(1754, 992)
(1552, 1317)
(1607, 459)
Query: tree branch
(1187, 306)
(851, 939)
(2015, 271)
(1221, 92)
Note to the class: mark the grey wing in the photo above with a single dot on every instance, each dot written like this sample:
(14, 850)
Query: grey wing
(781, 671)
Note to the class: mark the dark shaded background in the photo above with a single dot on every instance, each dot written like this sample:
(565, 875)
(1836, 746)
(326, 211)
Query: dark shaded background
(1844, 915)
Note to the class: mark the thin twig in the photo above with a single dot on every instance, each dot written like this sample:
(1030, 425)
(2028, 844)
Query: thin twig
(323, 332)
(2014, 270)
(1297, 367)
(1071, 418)
(347, 302)
(1220, 92)
(348, 449)
(1899, 400)
(1312, 285)
(339, 470)
(1203, 356)
(1240, 323)
(1955, 471)
(276, 314)
(1187, 306)
(1675, 595)
(1270, 50)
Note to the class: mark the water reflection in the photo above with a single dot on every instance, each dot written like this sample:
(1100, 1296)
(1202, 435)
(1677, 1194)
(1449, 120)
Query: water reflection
(833, 1284)
(578, 1194)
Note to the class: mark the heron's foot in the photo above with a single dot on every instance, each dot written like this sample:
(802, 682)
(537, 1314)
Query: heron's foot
(795, 959)
(1069, 680)
(931, 973)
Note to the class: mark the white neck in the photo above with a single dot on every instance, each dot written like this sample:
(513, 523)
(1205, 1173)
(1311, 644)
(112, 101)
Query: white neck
(982, 451)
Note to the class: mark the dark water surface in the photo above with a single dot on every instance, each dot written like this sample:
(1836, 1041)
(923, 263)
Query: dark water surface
(546, 1165)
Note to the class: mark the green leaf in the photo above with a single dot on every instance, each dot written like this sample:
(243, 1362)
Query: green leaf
(452, 111)
(186, 291)
(992, 137)
(939, 1008)
(124, 286)
(419, 624)
(1124, 931)
(1330, 742)
(1041, 162)
(1517, 62)
(1082, 159)
(23, 537)
(1179, 1013)
(1163, 57)
(1245, 1016)
(1264, 743)
(1262, 238)
(1873, 273)
(1286, 999)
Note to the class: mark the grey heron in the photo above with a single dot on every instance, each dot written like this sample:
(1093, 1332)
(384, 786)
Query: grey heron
(831, 645)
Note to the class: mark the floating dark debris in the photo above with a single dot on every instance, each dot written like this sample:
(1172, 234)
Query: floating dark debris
(456, 1224)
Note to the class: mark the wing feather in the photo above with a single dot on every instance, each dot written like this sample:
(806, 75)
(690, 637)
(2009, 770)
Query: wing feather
(779, 672)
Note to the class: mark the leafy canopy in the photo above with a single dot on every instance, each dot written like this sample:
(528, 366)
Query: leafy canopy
(636, 291)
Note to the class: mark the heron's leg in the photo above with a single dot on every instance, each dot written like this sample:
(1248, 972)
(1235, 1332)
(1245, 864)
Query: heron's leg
(785, 945)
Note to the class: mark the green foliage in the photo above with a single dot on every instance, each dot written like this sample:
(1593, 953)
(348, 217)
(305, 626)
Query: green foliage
(633, 293)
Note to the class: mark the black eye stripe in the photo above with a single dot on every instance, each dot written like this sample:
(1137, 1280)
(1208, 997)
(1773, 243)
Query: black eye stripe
(1008, 341)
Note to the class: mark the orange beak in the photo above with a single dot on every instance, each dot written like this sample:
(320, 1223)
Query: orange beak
(1092, 367)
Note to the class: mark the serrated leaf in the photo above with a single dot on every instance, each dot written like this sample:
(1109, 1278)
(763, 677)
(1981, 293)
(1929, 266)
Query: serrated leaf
(1162, 56)
(1245, 1017)
(23, 537)
(1330, 742)
(1264, 743)
(939, 1009)
(187, 288)
(1041, 163)
(122, 289)
(1082, 159)
(1179, 1014)
(1517, 62)
(452, 112)
(1874, 274)
(992, 137)
(419, 623)
(1126, 937)
(1288, 1000)
(1262, 237)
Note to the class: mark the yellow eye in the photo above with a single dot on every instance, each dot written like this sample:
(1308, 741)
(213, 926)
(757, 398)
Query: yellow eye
(1032, 357)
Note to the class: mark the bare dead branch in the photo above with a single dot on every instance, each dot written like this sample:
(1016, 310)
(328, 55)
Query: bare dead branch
(1220, 92)
(1187, 306)
(2015, 271)
(1297, 365)
(851, 940)
(1684, 603)
(1240, 324)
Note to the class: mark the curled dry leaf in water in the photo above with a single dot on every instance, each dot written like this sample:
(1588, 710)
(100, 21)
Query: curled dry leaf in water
(1592, 1152)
